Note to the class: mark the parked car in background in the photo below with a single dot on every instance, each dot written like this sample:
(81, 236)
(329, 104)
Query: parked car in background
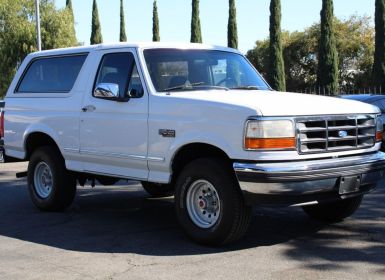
(374, 99)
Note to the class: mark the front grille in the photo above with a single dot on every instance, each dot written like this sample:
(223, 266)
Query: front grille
(335, 133)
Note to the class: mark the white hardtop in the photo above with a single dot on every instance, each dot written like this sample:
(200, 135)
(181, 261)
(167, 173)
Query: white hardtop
(136, 45)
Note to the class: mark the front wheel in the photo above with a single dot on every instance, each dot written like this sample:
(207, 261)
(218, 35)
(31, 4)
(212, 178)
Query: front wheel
(209, 204)
(334, 211)
(51, 186)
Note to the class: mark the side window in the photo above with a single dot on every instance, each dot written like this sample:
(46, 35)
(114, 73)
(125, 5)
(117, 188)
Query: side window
(120, 69)
(51, 74)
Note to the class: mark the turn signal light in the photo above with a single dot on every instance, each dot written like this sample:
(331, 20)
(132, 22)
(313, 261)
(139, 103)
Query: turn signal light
(379, 136)
(270, 143)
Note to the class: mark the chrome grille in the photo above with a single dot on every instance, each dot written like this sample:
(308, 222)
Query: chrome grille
(335, 133)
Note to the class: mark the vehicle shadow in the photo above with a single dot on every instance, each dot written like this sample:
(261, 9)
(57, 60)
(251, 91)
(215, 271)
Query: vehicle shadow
(125, 219)
(338, 246)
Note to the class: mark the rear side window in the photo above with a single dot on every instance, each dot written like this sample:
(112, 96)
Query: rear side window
(51, 74)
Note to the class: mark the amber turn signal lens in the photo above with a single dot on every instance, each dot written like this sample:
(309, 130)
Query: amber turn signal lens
(379, 136)
(269, 143)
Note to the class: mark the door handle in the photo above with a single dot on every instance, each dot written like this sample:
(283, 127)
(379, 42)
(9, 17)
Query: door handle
(88, 108)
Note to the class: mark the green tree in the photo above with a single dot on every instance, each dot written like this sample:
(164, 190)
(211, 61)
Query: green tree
(276, 74)
(18, 34)
(155, 23)
(379, 54)
(354, 38)
(232, 33)
(196, 34)
(327, 57)
(96, 30)
(122, 35)
(71, 23)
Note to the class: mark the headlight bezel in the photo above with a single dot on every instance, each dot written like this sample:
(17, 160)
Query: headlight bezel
(278, 142)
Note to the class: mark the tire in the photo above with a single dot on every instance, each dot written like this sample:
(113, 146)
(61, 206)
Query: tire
(158, 190)
(334, 211)
(51, 186)
(209, 204)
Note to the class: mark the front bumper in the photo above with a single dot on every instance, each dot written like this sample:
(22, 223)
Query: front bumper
(311, 181)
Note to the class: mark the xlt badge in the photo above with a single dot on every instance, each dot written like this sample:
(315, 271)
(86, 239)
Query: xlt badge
(167, 133)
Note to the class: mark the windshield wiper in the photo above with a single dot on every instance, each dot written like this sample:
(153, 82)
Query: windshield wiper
(184, 86)
(248, 87)
(213, 87)
(194, 85)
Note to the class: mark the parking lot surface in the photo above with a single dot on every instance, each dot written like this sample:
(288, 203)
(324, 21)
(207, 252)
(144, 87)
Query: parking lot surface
(121, 233)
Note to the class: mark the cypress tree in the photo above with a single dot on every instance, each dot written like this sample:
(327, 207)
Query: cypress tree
(196, 36)
(69, 4)
(379, 53)
(155, 23)
(96, 32)
(122, 36)
(327, 54)
(232, 33)
(276, 74)
(72, 23)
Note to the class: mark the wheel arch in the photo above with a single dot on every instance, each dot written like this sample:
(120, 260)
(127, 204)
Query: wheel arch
(193, 151)
(38, 139)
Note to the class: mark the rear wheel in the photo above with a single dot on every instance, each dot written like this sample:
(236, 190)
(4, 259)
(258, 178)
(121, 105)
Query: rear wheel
(209, 204)
(334, 211)
(158, 190)
(51, 186)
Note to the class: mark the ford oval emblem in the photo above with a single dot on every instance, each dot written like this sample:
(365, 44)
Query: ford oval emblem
(342, 133)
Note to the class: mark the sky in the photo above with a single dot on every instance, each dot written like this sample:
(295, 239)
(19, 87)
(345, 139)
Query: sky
(175, 17)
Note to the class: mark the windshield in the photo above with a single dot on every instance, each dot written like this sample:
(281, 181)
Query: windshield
(178, 70)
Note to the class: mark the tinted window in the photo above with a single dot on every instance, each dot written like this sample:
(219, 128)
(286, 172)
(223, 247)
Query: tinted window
(51, 74)
(120, 69)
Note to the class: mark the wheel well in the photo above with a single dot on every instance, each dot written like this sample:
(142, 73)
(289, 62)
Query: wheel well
(36, 140)
(192, 152)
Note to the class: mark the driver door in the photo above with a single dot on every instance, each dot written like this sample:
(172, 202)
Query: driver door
(113, 133)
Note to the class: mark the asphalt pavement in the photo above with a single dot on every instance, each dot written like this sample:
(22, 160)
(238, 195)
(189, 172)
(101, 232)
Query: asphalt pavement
(119, 232)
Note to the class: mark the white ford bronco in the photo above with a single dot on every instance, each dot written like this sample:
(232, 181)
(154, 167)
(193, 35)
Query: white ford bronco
(189, 120)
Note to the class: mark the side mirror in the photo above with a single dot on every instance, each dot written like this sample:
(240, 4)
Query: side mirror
(107, 91)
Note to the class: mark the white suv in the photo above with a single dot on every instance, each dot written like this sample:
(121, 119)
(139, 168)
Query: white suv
(192, 120)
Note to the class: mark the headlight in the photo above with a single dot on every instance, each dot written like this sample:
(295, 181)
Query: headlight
(270, 134)
(379, 129)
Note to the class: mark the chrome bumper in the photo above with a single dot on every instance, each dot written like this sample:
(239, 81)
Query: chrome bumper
(310, 181)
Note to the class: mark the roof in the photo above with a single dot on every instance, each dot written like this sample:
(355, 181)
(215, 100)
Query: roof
(140, 45)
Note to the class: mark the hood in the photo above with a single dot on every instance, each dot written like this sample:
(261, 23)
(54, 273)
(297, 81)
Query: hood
(272, 103)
